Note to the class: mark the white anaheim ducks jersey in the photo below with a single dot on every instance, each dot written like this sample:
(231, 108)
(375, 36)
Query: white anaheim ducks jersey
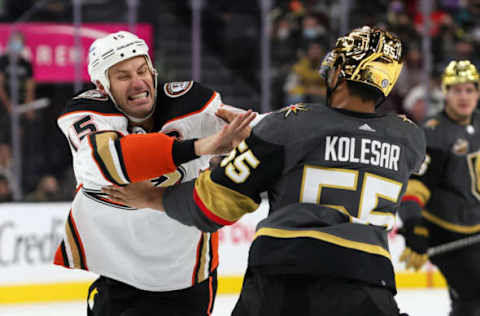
(143, 248)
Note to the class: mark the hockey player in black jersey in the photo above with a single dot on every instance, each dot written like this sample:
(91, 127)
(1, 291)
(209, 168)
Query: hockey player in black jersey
(334, 175)
(443, 203)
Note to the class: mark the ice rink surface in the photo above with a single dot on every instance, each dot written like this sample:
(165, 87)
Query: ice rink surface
(414, 302)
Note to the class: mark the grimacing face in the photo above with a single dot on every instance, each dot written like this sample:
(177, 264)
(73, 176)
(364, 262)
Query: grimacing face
(131, 85)
(461, 99)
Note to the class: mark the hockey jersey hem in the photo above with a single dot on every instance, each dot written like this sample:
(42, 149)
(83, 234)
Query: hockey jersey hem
(284, 233)
(313, 257)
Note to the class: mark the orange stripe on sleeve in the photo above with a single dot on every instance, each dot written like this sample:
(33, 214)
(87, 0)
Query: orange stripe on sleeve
(211, 296)
(147, 156)
(214, 245)
(59, 259)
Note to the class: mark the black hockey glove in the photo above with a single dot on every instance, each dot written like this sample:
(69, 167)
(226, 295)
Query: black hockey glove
(416, 243)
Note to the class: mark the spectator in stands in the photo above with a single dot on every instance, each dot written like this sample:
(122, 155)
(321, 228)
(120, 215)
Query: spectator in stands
(24, 71)
(367, 12)
(465, 50)
(401, 23)
(312, 30)
(5, 192)
(240, 26)
(412, 71)
(416, 105)
(467, 17)
(47, 191)
(6, 162)
(462, 48)
(283, 54)
(5, 158)
(304, 83)
(284, 42)
(443, 44)
(68, 185)
(296, 7)
(31, 125)
(437, 18)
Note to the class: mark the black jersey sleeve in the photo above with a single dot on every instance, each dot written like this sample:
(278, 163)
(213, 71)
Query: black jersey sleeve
(221, 196)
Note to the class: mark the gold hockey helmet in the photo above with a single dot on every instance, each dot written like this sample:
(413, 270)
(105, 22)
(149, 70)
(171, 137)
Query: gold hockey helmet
(462, 71)
(368, 55)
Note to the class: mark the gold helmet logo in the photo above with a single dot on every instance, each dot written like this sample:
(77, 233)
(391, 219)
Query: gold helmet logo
(462, 71)
(368, 55)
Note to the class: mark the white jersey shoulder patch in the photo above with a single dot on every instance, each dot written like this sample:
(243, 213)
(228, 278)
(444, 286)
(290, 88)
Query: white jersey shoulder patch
(177, 89)
(93, 95)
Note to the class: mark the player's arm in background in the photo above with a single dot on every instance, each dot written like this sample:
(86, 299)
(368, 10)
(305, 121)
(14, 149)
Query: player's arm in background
(425, 180)
(416, 197)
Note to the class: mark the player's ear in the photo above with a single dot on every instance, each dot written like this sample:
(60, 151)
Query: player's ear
(100, 87)
(334, 76)
(331, 68)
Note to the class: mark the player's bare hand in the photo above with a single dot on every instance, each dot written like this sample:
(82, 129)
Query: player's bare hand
(137, 195)
(227, 114)
(228, 137)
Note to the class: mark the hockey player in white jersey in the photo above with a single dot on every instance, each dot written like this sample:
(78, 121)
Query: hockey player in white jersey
(148, 263)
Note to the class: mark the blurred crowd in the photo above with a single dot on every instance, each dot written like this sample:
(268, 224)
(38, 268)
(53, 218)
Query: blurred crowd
(301, 32)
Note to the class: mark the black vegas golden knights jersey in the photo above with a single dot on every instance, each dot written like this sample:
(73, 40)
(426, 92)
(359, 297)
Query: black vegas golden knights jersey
(334, 179)
(449, 188)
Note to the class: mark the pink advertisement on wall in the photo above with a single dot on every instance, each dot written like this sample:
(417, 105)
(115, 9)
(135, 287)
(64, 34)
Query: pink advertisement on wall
(51, 49)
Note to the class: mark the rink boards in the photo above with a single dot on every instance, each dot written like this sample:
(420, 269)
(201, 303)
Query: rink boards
(30, 233)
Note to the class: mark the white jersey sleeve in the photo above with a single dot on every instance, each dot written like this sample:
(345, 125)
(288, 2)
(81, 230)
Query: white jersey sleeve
(88, 113)
(103, 152)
